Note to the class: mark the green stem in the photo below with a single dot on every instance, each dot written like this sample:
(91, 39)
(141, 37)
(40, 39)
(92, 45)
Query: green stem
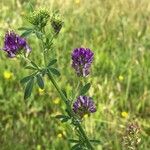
(65, 100)
(57, 88)
(70, 111)
(45, 48)
(25, 58)
(44, 52)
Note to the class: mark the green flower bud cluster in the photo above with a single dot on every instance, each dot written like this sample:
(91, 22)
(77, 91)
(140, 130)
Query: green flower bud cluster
(39, 18)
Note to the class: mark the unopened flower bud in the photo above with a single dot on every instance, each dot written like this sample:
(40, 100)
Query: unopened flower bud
(56, 22)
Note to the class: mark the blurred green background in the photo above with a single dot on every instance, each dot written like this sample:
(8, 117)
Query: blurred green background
(118, 31)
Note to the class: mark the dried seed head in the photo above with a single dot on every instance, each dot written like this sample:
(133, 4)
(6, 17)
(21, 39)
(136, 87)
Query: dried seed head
(131, 139)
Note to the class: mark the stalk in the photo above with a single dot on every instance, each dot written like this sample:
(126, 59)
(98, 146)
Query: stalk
(63, 97)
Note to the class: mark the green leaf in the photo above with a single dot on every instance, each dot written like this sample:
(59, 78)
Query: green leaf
(26, 33)
(76, 147)
(39, 34)
(73, 141)
(52, 62)
(25, 28)
(30, 67)
(95, 141)
(34, 64)
(43, 72)
(28, 89)
(48, 73)
(30, 7)
(40, 81)
(25, 79)
(85, 89)
(62, 118)
(54, 71)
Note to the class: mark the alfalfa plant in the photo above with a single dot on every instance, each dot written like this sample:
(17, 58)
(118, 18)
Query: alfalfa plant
(46, 29)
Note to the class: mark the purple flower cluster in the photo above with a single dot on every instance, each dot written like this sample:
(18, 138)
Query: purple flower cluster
(81, 61)
(13, 43)
(84, 105)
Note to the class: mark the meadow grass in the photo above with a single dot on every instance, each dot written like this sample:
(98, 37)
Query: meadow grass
(118, 31)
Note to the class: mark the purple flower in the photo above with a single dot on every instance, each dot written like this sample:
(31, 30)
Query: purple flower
(13, 43)
(81, 61)
(84, 105)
